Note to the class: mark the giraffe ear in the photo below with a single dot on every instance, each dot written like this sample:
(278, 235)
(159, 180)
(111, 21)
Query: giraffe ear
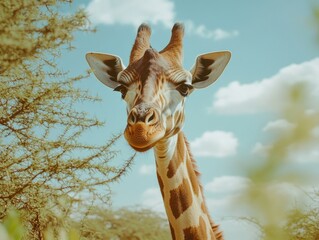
(105, 67)
(208, 68)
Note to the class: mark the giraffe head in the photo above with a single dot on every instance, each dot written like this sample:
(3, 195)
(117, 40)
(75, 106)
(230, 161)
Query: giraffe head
(155, 84)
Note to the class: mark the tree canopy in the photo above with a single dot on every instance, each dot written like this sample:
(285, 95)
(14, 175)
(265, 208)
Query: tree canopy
(46, 167)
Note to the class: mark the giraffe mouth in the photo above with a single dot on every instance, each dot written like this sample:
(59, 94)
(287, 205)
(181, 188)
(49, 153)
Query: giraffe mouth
(142, 137)
(138, 149)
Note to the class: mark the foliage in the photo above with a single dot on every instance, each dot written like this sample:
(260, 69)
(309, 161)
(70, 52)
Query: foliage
(269, 206)
(100, 224)
(272, 217)
(304, 224)
(46, 166)
(12, 227)
(125, 223)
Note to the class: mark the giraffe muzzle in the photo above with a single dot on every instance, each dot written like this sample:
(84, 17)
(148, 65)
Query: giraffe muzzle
(144, 128)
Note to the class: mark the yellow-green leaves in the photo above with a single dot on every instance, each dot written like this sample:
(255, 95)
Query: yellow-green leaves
(265, 196)
(12, 228)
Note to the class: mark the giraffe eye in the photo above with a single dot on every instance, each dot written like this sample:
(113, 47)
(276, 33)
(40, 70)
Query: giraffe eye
(184, 89)
(122, 89)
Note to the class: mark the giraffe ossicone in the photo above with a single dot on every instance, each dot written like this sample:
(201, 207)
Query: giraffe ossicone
(155, 86)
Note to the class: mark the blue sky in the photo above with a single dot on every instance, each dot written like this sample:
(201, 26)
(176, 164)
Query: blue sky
(273, 44)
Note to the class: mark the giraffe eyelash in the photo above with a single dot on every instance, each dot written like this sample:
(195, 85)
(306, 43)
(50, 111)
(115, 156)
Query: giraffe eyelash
(122, 89)
(184, 89)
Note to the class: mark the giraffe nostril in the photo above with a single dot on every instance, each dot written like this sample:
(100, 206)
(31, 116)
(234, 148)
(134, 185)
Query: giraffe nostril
(150, 118)
(133, 118)
(138, 114)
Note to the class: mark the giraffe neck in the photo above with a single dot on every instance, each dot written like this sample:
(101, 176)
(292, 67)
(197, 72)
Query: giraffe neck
(181, 191)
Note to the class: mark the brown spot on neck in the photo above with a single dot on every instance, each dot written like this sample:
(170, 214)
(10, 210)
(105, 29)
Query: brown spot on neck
(180, 198)
(196, 233)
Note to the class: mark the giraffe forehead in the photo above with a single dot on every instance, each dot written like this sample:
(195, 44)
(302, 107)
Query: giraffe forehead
(154, 69)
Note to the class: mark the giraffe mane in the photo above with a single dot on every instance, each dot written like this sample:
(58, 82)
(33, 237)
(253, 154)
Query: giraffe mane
(218, 233)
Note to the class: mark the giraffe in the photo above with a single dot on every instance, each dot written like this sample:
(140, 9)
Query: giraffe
(155, 86)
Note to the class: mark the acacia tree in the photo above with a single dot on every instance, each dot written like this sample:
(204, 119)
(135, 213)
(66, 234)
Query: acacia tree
(124, 223)
(304, 224)
(45, 164)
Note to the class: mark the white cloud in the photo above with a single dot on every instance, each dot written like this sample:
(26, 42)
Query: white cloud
(131, 12)
(233, 228)
(305, 153)
(260, 149)
(147, 169)
(135, 12)
(152, 198)
(270, 94)
(279, 125)
(227, 184)
(302, 152)
(286, 190)
(215, 144)
(202, 31)
(224, 194)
